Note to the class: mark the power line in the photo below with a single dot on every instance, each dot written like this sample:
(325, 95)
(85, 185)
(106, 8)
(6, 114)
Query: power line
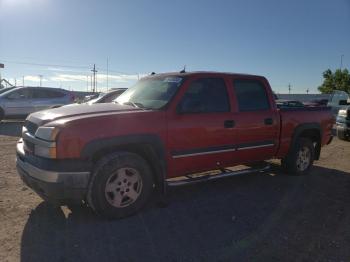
(39, 64)
(69, 66)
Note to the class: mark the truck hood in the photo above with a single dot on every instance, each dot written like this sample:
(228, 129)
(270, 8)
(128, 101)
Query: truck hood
(76, 110)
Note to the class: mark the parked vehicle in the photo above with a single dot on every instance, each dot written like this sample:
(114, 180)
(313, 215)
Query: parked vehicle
(3, 90)
(163, 132)
(317, 102)
(107, 97)
(343, 124)
(91, 97)
(289, 103)
(21, 101)
(338, 100)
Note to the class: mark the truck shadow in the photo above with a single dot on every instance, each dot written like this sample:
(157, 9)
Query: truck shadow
(11, 128)
(263, 217)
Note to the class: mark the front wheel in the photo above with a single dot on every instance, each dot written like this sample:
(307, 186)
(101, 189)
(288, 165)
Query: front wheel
(120, 186)
(300, 160)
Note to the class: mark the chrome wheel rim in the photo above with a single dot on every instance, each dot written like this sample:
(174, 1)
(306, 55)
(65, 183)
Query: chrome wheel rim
(303, 158)
(123, 187)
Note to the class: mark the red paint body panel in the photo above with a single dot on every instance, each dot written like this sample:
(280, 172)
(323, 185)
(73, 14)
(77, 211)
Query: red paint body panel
(189, 133)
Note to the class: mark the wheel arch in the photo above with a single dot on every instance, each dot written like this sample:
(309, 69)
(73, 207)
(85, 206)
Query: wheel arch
(149, 147)
(311, 131)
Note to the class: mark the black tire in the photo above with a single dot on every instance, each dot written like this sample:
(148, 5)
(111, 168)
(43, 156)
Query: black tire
(341, 134)
(296, 164)
(104, 200)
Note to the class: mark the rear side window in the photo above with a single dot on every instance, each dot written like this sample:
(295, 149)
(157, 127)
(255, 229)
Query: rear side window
(55, 94)
(251, 95)
(205, 95)
(44, 93)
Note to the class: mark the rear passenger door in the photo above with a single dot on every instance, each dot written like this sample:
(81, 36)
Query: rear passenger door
(257, 121)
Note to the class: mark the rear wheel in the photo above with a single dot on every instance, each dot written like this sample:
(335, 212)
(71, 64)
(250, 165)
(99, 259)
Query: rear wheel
(301, 158)
(120, 186)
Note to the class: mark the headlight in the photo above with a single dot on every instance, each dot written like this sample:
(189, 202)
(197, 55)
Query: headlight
(342, 112)
(48, 152)
(47, 133)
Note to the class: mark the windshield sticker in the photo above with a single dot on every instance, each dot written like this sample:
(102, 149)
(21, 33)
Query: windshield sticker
(173, 79)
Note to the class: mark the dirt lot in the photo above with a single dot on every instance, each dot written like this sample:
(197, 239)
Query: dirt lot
(261, 217)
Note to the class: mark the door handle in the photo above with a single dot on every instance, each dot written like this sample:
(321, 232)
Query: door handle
(229, 123)
(268, 121)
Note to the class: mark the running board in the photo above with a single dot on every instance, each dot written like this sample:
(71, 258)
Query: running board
(197, 178)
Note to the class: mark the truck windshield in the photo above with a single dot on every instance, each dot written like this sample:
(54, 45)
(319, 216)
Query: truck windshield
(151, 93)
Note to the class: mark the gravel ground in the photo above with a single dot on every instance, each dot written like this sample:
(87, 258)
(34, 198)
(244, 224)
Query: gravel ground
(259, 217)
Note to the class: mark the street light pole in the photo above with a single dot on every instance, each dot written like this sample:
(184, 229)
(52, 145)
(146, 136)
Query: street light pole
(341, 62)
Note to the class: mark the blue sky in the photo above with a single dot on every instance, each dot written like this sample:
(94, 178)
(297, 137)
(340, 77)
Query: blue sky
(286, 41)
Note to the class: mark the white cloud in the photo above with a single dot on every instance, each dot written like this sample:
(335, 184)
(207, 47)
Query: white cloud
(34, 79)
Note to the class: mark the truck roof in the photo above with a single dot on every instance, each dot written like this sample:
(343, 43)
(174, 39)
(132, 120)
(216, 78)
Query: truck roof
(179, 74)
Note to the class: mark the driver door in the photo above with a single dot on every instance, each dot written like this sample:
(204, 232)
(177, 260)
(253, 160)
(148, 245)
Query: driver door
(201, 131)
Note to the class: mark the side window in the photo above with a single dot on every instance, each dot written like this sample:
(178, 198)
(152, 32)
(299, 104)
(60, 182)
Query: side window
(251, 95)
(55, 94)
(205, 95)
(37, 93)
(18, 94)
(45, 93)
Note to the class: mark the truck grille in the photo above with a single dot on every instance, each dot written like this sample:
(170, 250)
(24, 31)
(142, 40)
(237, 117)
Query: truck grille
(31, 127)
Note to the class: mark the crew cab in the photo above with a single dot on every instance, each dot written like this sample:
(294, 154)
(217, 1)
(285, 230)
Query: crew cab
(169, 129)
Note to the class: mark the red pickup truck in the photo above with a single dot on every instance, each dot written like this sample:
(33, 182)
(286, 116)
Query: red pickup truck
(164, 131)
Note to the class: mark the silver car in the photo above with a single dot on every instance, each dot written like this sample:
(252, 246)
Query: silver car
(21, 101)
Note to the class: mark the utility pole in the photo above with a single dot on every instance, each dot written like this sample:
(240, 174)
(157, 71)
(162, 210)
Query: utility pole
(94, 71)
(41, 78)
(341, 62)
(87, 83)
(289, 88)
(22, 80)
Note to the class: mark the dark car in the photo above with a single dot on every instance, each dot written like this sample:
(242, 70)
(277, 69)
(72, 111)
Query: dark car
(288, 103)
(107, 97)
(317, 102)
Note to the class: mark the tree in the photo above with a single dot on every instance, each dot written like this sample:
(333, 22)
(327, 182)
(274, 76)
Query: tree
(339, 80)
